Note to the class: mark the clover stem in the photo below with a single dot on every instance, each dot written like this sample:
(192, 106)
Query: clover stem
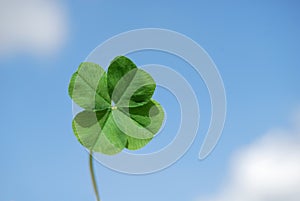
(93, 177)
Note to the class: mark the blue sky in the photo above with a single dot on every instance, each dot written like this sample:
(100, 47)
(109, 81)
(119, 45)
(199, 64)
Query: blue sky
(255, 45)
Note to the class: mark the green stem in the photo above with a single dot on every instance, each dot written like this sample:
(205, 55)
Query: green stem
(93, 176)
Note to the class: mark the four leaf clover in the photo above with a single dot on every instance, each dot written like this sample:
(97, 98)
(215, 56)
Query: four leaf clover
(118, 111)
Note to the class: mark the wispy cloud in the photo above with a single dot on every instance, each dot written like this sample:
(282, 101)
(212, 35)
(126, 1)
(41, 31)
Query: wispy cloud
(31, 26)
(267, 170)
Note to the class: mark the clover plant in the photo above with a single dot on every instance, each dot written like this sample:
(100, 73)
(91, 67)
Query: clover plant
(118, 109)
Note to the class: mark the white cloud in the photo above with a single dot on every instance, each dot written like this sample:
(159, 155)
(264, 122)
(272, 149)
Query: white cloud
(34, 26)
(267, 170)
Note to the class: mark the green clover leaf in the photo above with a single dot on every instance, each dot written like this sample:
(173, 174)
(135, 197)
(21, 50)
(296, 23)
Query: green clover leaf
(118, 110)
